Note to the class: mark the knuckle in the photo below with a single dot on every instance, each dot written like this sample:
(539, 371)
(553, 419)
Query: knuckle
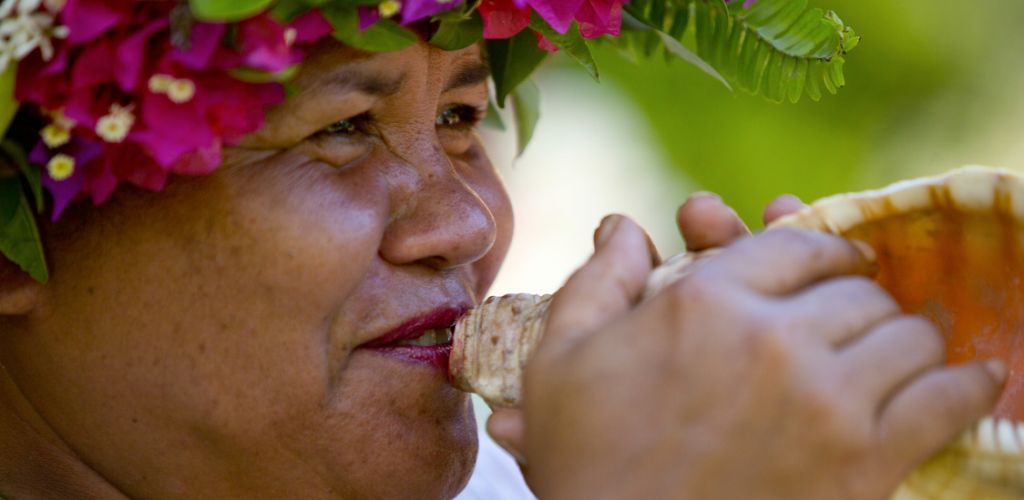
(838, 421)
(864, 287)
(686, 297)
(804, 240)
(926, 338)
(694, 289)
(769, 343)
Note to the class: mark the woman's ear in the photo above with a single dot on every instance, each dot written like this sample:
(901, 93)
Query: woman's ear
(19, 292)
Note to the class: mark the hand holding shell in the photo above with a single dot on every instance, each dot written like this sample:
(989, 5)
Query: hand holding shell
(950, 247)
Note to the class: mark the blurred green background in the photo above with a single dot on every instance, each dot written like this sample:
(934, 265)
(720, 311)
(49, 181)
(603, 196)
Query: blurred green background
(932, 86)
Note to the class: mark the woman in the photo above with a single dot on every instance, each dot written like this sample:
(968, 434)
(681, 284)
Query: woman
(277, 328)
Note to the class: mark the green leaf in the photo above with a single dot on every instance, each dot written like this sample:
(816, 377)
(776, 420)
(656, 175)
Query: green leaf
(252, 75)
(512, 61)
(8, 106)
(287, 10)
(779, 48)
(32, 174)
(679, 50)
(227, 10)
(493, 117)
(572, 43)
(383, 36)
(19, 236)
(458, 34)
(527, 113)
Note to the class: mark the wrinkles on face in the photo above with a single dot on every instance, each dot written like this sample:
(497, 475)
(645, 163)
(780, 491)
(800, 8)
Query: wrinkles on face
(253, 288)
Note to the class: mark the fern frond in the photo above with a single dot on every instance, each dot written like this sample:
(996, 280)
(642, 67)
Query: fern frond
(669, 17)
(778, 48)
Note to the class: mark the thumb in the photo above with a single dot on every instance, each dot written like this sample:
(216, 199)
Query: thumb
(607, 286)
(507, 427)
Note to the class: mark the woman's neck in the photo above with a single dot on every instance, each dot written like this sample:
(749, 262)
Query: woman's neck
(34, 461)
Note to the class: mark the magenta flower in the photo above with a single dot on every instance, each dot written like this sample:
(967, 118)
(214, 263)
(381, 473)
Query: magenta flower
(600, 17)
(415, 10)
(506, 18)
(138, 108)
(558, 13)
(503, 18)
(368, 16)
(81, 153)
(264, 44)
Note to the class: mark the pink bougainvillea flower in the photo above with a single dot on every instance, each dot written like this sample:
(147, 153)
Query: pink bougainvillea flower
(544, 43)
(265, 43)
(199, 162)
(131, 55)
(144, 108)
(310, 27)
(559, 14)
(600, 17)
(204, 39)
(368, 16)
(88, 19)
(415, 10)
(84, 153)
(504, 18)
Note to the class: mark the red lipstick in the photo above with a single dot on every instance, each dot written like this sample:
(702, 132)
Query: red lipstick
(442, 318)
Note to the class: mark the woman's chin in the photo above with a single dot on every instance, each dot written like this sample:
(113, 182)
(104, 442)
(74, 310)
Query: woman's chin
(417, 432)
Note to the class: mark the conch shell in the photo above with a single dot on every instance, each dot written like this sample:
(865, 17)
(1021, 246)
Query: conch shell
(950, 247)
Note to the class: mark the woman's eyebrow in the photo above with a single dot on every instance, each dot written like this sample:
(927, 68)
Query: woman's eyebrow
(365, 83)
(468, 76)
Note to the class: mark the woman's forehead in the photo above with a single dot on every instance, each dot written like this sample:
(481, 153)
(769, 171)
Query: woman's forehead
(332, 66)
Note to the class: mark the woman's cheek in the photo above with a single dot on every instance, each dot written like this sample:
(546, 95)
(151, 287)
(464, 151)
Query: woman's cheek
(337, 152)
(456, 143)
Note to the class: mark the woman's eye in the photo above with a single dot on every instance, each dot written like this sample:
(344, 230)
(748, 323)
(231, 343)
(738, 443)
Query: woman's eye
(341, 127)
(347, 126)
(459, 117)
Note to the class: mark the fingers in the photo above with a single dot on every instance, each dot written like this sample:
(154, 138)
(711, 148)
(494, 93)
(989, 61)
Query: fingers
(782, 261)
(781, 206)
(651, 247)
(885, 359)
(938, 406)
(706, 222)
(852, 305)
(508, 429)
(608, 285)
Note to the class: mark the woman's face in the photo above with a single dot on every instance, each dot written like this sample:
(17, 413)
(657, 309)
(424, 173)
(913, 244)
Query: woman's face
(237, 333)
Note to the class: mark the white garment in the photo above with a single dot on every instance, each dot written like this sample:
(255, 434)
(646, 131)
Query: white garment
(496, 476)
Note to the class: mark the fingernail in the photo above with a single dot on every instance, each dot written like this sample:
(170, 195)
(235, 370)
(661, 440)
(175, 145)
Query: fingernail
(865, 250)
(653, 250)
(996, 369)
(605, 230)
(704, 194)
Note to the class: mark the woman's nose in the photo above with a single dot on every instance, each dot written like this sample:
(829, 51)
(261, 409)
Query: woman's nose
(442, 223)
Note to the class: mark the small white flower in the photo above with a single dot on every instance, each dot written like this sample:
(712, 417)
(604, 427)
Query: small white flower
(389, 8)
(25, 28)
(115, 125)
(182, 90)
(178, 90)
(60, 167)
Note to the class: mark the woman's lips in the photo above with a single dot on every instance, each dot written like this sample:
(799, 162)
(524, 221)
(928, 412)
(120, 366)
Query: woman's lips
(434, 355)
(396, 343)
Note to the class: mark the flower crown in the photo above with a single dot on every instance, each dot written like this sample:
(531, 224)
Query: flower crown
(109, 91)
